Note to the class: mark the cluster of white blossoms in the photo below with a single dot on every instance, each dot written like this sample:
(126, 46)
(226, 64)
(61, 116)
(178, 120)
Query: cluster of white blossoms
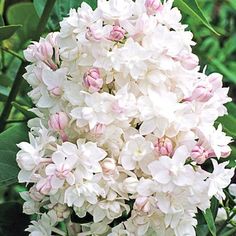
(125, 119)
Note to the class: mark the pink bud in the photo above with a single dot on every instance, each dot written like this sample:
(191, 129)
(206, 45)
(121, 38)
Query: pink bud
(58, 121)
(117, 33)
(153, 6)
(91, 34)
(163, 147)
(142, 204)
(202, 93)
(35, 194)
(215, 80)
(98, 129)
(56, 91)
(44, 186)
(92, 80)
(108, 166)
(189, 61)
(199, 154)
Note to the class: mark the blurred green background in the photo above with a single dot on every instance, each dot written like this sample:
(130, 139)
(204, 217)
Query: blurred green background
(218, 53)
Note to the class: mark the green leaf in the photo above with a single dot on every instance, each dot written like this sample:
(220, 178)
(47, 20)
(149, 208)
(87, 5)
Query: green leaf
(25, 14)
(214, 207)
(61, 9)
(202, 230)
(229, 124)
(192, 8)
(12, 221)
(2, 3)
(231, 108)
(8, 149)
(210, 221)
(7, 31)
(24, 110)
(232, 158)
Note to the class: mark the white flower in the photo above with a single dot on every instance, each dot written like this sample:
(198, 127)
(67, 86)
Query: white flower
(173, 171)
(136, 153)
(42, 227)
(219, 179)
(115, 9)
(61, 169)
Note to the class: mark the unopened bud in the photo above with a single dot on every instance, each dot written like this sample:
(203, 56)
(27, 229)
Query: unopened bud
(153, 6)
(58, 121)
(189, 61)
(163, 147)
(108, 166)
(92, 80)
(199, 154)
(117, 33)
(142, 204)
(202, 93)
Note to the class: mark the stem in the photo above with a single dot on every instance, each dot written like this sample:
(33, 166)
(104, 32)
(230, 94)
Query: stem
(12, 96)
(226, 222)
(44, 18)
(13, 53)
(15, 121)
(3, 58)
(18, 79)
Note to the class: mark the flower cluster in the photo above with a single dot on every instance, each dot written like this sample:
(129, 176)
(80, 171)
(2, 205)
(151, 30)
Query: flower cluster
(125, 119)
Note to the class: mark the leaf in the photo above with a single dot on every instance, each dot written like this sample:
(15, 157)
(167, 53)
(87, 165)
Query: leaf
(232, 157)
(210, 221)
(229, 124)
(202, 230)
(214, 207)
(12, 221)
(24, 110)
(8, 149)
(231, 108)
(7, 31)
(192, 8)
(61, 9)
(25, 14)
(2, 3)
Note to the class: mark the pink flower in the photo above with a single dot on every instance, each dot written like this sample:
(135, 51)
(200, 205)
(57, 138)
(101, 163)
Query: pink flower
(202, 93)
(58, 121)
(117, 33)
(153, 6)
(98, 129)
(199, 154)
(92, 80)
(189, 61)
(163, 147)
(108, 166)
(44, 186)
(142, 204)
(91, 34)
(215, 79)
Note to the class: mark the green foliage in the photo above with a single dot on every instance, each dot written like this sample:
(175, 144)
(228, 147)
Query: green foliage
(210, 222)
(61, 9)
(25, 14)
(7, 31)
(8, 150)
(192, 8)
